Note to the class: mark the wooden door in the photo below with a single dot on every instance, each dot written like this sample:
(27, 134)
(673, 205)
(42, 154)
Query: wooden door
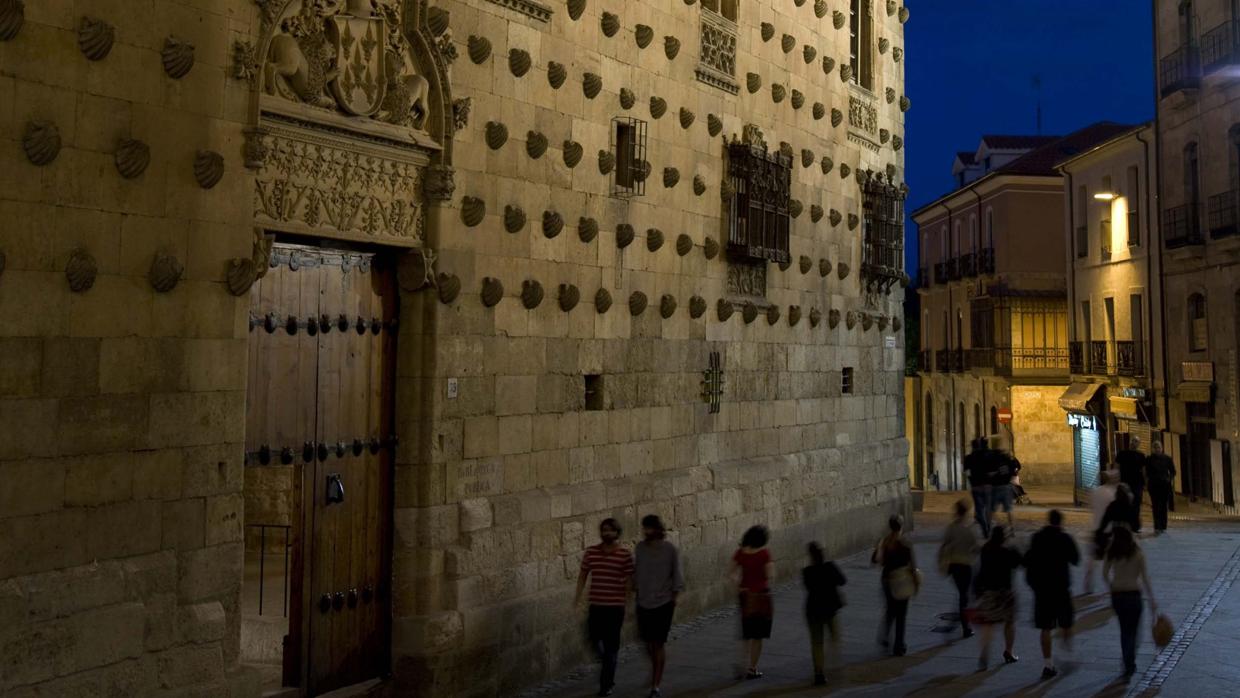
(320, 395)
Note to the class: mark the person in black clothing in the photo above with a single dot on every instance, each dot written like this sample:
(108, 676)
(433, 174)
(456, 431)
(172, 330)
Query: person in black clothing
(996, 602)
(823, 580)
(1118, 513)
(1159, 474)
(978, 465)
(1132, 473)
(1051, 553)
(1003, 467)
(899, 582)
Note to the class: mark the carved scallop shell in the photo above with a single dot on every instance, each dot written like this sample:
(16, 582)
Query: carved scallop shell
(671, 176)
(131, 157)
(710, 248)
(531, 294)
(783, 265)
(208, 168)
(519, 61)
(905, 103)
(903, 15)
(809, 53)
(891, 7)
(667, 305)
(627, 98)
(641, 170)
(12, 17)
(41, 141)
(514, 218)
(552, 223)
(897, 53)
(602, 300)
(643, 34)
(884, 135)
(753, 82)
(835, 217)
(749, 312)
(815, 317)
(853, 221)
(838, 19)
(240, 275)
(496, 135)
(637, 303)
(81, 271)
(820, 8)
(896, 323)
(724, 309)
(535, 144)
(807, 157)
(437, 20)
(772, 314)
(569, 297)
(846, 72)
(897, 143)
(867, 321)
(805, 264)
(556, 74)
(684, 244)
(827, 164)
(479, 49)
(658, 107)
(778, 93)
(833, 318)
(473, 210)
(587, 229)
(837, 117)
(845, 170)
(794, 207)
(815, 213)
(828, 64)
(824, 267)
(794, 315)
(610, 24)
(178, 57)
(654, 239)
(850, 319)
(448, 287)
(624, 235)
(164, 273)
(842, 270)
(883, 45)
(697, 306)
(798, 99)
(671, 47)
(699, 185)
(591, 85)
(787, 42)
(768, 31)
(891, 95)
(95, 38)
(882, 322)
(713, 125)
(492, 291)
(572, 153)
(686, 118)
(820, 110)
(606, 161)
(576, 8)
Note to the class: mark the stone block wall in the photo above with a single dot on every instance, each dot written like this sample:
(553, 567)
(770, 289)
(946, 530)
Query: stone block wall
(121, 407)
(1043, 437)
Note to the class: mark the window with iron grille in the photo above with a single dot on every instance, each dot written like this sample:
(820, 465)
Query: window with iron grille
(846, 381)
(628, 144)
(758, 219)
(882, 257)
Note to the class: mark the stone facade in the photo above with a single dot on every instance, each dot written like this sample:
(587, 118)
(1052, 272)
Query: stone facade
(207, 126)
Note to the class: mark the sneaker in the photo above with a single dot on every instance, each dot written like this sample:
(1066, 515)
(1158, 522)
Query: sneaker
(968, 633)
(1049, 672)
(820, 679)
(656, 693)
(753, 674)
(1009, 658)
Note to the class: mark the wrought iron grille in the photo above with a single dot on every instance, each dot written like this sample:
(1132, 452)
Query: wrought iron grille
(1182, 226)
(1222, 214)
(1218, 47)
(628, 144)
(758, 219)
(1181, 70)
(882, 257)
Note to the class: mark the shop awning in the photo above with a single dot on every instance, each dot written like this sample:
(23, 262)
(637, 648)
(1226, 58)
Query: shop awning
(1123, 407)
(1193, 391)
(1078, 395)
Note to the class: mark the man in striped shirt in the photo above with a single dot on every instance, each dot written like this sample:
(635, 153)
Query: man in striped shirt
(609, 567)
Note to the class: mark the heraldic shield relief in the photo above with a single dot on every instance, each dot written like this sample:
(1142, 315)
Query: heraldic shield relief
(360, 82)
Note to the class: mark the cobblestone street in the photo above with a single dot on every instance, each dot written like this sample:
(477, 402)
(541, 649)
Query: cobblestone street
(1192, 567)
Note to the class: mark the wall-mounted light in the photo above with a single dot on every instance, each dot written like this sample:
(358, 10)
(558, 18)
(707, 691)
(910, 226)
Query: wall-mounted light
(1105, 196)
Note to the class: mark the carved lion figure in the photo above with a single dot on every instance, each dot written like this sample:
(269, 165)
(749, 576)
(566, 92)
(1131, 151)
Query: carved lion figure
(405, 101)
(300, 62)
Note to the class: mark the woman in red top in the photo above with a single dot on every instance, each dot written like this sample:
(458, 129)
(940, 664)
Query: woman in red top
(752, 569)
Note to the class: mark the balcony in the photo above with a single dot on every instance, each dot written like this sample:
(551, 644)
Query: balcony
(925, 360)
(983, 357)
(1006, 360)
(957, 360)
(1076, 357)
(1221, 214)
(1098, 351)
(923, 278)
(940, 272)
(986, 260)
(1128, 359)
(942, 362)
(967, 264)
(1181, 226)
(1180, 71)
(953, 269)
(1218, 47)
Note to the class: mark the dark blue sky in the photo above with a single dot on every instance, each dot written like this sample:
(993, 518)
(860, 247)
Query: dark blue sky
(970, 68)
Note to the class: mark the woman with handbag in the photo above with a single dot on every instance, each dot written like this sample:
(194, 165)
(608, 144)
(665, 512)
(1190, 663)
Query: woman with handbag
(996, 601)
(752, 570)
(900, 580)
(1124, 571)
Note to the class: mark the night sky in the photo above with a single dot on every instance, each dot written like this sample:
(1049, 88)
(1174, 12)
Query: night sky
(971, 66)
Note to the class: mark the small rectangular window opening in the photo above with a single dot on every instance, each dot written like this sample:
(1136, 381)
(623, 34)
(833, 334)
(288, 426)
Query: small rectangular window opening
(594, 392)
(846, 381)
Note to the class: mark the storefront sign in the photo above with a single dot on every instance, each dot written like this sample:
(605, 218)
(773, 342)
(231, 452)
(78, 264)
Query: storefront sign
(1197, 371)
(1133, 392)
(1081, 421)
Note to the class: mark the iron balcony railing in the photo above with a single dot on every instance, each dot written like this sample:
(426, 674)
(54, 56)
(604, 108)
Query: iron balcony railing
(968, 265)
(1098, 351)
(1004, 360)
(942, 362)
(923, 277)
(1221, 214)
(1181, 226)
(953, 268)
(1218, 47)
(1076, 358)
(1181, 70)
(925, 360)
(986, 260)
(980, 357)
(957, 360)
(940, 272)
(1128, 359)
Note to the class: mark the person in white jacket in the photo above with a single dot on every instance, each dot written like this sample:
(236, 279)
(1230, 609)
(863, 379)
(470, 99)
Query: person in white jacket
(1099, 499)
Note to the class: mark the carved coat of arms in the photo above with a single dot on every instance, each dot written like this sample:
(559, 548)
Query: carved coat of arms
(361, 79)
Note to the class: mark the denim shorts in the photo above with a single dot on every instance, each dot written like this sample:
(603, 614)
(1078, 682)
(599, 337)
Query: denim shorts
(1002, 496)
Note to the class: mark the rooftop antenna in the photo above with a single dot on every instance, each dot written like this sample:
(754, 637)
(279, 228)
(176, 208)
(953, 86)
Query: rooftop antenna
(1037, 88)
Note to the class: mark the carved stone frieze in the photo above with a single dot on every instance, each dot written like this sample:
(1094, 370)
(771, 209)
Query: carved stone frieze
(747, 279)
(717, 54)
(244, 61)
(529, 8)
(439, 182)
(863, 115)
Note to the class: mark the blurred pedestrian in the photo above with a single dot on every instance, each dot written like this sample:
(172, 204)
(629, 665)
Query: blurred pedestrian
(900, 581)
(956, 557)
(823, 601)
(1160, 479)
(657, 581)
(996, 601)
(1047, 570)
(1132, 473)
(1125, 572)
(752, 570)
(1003, 469)
(608, 567)
(1117, 515)
(1099, 499)
(977, 465)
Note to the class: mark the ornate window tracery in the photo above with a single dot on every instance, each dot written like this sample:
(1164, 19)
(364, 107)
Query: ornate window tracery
(757, 210)
(882, 256)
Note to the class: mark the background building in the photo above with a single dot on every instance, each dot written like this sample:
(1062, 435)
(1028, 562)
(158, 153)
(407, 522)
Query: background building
(993, 308)
(403, 298)
(1114, 297)
(1199, 164)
